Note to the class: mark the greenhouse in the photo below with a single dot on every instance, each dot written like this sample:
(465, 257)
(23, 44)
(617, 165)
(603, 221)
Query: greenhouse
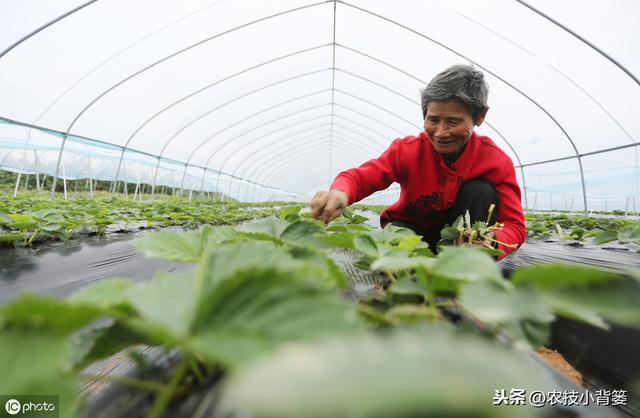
(319, 209)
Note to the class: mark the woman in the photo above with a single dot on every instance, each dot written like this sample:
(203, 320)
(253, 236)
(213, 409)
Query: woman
(443, 171)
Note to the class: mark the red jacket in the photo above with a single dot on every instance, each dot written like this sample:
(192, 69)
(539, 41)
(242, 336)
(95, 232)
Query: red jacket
(428, 187)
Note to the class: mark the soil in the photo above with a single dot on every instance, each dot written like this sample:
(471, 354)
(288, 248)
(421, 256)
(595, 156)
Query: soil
(557, 361)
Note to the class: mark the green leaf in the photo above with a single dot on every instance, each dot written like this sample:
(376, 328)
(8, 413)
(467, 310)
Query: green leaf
(391, 234)
(185, 246)
(629, 234)
(51, 227)
(270, 227)
(261, 306)
(584, 293)
(358, 377)
(450, 233)
(366, 245)
(46, 314)
(556, 275)
(410, 313)
(407, 286)
(11, 237)
(168, 301)
(466, 264)
(105, 294)
(401, 263)
(289, 213)
(338, 239)
(409, 243)
(320, 265)
(520, 311)
(37, 363)
(605, 236)
(301, 232)
(99, 342)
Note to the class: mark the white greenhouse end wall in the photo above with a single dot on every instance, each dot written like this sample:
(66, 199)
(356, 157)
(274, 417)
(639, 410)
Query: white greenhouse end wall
(261, 99)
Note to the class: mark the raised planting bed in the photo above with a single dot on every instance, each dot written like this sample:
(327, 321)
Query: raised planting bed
(269, 325)
(30, 219)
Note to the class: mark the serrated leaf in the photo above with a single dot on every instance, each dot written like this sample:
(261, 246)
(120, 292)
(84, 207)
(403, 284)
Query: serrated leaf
(466, 264)
(289, 213)
(302, 232)
(105, 294)
(46, 314)
(99, 342)
(366, 245)
(584, 293)
(321, 265)
(605, 236)
(185, 246)
(168, 301)
(629, 234)
(400, 263)
(261, 306)
(271, 227)
(37, 363)
(559, 276)
(391, 234)
(522, 313)
(409, 243)
(51, 227)
(356, 377)
(338, 239)
(450, 233)
(407, 286)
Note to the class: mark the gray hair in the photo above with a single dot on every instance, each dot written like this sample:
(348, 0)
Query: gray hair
(461, 82)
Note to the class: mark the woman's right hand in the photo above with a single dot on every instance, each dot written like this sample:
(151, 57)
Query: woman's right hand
(327, 206)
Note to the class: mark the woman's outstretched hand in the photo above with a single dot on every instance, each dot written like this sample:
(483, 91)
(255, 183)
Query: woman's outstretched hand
(327, 206)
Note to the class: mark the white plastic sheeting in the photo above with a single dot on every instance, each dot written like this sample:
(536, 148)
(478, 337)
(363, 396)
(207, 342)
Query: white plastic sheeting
(258, 99)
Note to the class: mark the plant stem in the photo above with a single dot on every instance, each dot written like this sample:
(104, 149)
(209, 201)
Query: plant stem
(165, 396)
(447, 304)
(130, 381)
(197, 371)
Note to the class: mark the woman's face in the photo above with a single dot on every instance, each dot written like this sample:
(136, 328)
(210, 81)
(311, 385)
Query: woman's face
(449, 125)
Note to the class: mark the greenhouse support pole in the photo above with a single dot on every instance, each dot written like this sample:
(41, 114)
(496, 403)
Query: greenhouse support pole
(75, 187)
(26, 183)
(135, 192)
(35, 163)
(204, 173)
(155, 177)
(125, 192)
(64, 181)
(15, 191)
(90, 180)
(115, 181)
(626, 207)
(190, 194)
(184, 175)
(44, 179)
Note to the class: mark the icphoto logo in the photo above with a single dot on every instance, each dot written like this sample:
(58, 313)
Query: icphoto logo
(12, 406)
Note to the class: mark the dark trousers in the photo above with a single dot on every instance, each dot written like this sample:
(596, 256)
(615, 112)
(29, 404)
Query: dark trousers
(474, 196)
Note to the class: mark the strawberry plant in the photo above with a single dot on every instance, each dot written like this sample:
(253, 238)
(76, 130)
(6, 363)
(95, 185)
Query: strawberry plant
(268, 308)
